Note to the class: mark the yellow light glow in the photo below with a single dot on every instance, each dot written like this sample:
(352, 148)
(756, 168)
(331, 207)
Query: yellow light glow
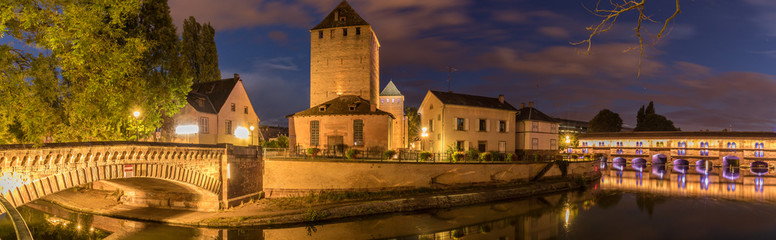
(186, 129)
(136, 113)
(252, 128)
(568, 140)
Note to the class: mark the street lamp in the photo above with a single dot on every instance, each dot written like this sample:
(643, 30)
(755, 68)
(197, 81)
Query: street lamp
(137, 126)
(567, 139)
(251, 134)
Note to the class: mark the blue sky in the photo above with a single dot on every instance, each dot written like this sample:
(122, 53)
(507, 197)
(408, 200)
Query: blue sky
(714, 69)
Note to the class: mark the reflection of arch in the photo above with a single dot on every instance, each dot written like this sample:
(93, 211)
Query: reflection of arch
(659, 170)
(619, 160)
(759, 167)
(681, 165)
(619, 165)
(51, 184)
(731, 173)
(639, 165)
(659, 159)
(731, 161)
(703, 166)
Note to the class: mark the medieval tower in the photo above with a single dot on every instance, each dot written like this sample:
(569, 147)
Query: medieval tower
(344, 57)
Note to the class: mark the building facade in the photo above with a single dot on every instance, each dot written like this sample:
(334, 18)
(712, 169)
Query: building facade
(668, 147)
(344, 57)
(345, 108)
(572, 127)
(216, 112)
(463, 122)
(536, 132)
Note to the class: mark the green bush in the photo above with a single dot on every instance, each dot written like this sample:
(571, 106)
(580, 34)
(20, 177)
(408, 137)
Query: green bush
(495, 156)
(313, 151)
(425, 156)
(486, 156)
(510, 157)
(472, 154)
(352, 153)
(458, 156)
(388, 154)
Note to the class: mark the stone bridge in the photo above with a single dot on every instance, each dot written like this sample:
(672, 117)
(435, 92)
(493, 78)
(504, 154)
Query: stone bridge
(30, 172)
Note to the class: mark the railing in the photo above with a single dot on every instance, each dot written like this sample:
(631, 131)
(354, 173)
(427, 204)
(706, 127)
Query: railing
(400, 156)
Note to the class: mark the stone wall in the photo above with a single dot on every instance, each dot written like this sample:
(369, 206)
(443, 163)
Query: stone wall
(244, 177)
(286, 177)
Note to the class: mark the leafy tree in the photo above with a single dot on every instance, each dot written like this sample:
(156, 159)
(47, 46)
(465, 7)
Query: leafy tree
(650, 109)
(573, 141)
(413, 123)
(199, 50)
(87, 74)
(605, 121)
(640, 115)
(651, 121)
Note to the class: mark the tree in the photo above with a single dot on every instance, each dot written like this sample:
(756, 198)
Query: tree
(640, 115)
(573, 141)
(651, 121)
(86, 76)
(413, 123)
(605, 121)
(199, 50)
(618, 8)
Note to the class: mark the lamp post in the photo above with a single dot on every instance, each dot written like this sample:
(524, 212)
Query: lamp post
(251, 135)
(137, 126)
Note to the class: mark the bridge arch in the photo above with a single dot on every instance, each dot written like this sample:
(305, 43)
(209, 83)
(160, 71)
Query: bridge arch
(38, 188)
(619, 160)
(659, 159)
(758, 167)
(730, 161)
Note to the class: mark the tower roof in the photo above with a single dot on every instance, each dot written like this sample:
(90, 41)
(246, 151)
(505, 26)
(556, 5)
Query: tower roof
(390, 90)
(342, 16)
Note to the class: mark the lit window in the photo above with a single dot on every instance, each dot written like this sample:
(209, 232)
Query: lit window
(358, 132)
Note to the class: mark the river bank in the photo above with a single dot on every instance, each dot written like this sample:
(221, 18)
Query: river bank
(312, 208)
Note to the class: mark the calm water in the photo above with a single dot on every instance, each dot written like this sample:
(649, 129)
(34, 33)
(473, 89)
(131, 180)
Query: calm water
(635, 202)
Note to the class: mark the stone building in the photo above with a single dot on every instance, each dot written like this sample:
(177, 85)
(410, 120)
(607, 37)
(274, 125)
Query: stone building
(536, 133)
(466, 122)
(216, 112)
(345, 108)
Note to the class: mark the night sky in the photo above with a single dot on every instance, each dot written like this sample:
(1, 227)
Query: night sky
(714, 69)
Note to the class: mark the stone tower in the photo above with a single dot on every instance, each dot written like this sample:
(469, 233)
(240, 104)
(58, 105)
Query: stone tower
(392, 101)
(344, 57)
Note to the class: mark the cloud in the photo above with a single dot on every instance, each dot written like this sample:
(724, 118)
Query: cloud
(234, 14)
(555, 32)
(280, 63)
(278, 36)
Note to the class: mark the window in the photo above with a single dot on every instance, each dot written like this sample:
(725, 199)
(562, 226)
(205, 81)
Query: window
(358, 31)
(321, 108)
(534, 143)
(431, 125)
(358, 132)
(228, 127)
(203, 124)
(314, 133)
(535, 126)
(233, 107)
(331, 33)
(553, 144)
(482, 146)
(483, 125)
(345, 32)
(502, 126)
(554, 128)
(502, 146)
(459, 145)
(352, 107)
(245, 110)
(459, 124)
(320, 34)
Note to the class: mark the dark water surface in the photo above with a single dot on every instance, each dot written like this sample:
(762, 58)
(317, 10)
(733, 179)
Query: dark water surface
(629, 202)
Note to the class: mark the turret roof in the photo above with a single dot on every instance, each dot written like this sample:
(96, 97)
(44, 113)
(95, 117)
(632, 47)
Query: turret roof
(390, 90)
(335, 18)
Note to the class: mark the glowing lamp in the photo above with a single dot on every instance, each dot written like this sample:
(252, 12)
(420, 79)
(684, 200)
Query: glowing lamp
(241, 132)
(186, 129)
(136, 114)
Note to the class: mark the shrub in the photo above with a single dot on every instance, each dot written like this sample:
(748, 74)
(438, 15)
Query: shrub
(458, 156)
(352, 153)
(495, 156)
(425, 156)
(536, 157)
(486, 156)
(574, 156)
(472, 154)
(510, 157)
(313, 152)
(388, 154)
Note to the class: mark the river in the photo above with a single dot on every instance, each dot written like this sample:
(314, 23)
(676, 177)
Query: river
(629, 202)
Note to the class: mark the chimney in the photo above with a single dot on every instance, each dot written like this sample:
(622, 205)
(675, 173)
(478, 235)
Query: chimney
(373, 107)
(501, 98)
(522, 105)
(530, 104)
(237, 76)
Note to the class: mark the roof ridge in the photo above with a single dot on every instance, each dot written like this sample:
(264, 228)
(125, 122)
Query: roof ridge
(341, 16)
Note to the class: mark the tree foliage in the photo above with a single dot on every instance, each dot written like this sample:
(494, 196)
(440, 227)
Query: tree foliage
(648, 120)
(75, 70)
(605, 121)
(413, 123)
(199, 50)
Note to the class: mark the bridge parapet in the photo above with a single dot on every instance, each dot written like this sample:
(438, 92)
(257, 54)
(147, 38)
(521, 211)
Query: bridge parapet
(30, 172)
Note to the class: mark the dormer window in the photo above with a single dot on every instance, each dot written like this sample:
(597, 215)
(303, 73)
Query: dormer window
(322, 108)
(342, 19)
(352, 107)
